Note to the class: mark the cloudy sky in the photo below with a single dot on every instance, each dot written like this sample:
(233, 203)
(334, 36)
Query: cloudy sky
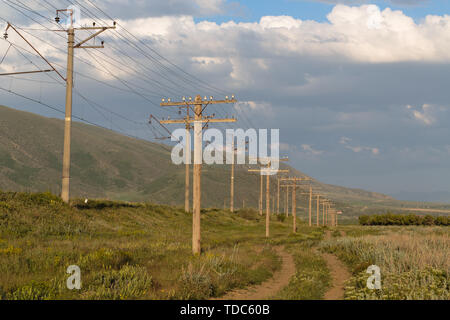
(359, 89)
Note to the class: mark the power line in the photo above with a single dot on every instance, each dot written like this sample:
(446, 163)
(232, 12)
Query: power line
(61, 111)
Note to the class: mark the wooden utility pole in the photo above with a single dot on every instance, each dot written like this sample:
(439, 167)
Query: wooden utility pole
(311, 195)
(233, 151)
(326, 213)
(337, 214)
(278, 196)
(286, 207)
(69, 86)
(260, 195)
(318, 209)
(294, 208)
(310, 200)
(267, 170)
(294, 204)
(333, 214)
(323, 214)
(198, 105)
(325, 203)
(294, 186)
(187, 158)
(65, 190)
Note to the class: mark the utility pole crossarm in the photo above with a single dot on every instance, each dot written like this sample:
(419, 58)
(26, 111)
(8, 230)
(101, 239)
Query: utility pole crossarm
(177, 121)
(267, 170)
(295, 179)
(24, 72)
(9, 25)
(101, 30)
(188, 103)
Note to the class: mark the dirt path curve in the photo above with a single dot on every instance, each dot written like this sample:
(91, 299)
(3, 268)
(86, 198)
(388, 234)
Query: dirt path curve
(269, 288)
(339, 275)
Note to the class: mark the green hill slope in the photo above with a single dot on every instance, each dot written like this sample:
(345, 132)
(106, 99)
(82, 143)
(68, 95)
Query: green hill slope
(106, 164)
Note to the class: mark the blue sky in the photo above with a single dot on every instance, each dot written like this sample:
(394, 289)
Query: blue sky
(253, 10)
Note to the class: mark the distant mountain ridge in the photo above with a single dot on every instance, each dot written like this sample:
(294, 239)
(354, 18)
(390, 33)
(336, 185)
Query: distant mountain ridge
(433, 196)
(106, 164)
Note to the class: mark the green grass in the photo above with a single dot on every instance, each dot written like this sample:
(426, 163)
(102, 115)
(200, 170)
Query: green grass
(312, 277)
(130, 250)
(143, 251)
(413, 261)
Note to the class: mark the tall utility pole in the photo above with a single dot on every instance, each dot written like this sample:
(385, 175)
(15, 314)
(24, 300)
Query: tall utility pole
(278, 196)
(318, 209)
(187, 158)
(198, 106)
(286, 200)
(68, 117)
(267, 170)
(331, 214)
(294, 186)
(326, 213)
(311, 195)
(325, 205)
(323, 213)
(294, 204)
(69, 86)
(286, 207)
(294, 208)
(234, 152)
(261, 195)
(310, 200)
(337, 215)
(65, 192)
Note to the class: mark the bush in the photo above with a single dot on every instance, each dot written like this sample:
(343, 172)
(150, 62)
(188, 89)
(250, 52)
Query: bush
(129, 282)
(101, 204)
(35, 291)
(248, 213)
(281, 217)
(390, 219)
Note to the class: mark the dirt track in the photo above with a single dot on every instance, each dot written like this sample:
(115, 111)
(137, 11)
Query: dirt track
(339, 275)
(269, 288)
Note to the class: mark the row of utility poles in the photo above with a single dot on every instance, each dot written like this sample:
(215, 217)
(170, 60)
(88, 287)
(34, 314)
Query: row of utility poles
(196, 120)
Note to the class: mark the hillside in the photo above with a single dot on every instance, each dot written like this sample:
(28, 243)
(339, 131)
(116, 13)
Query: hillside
(106, 164)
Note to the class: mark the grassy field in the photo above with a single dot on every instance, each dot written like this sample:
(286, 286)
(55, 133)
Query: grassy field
(143, 251)
(414, 260)
(131, 251)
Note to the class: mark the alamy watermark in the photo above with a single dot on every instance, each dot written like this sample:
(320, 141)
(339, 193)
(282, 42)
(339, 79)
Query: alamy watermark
(374, 281)
(222, 151)
(74, 280)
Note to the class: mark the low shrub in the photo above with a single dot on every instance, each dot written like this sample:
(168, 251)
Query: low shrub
(130, 282)
(82, 204)
(35, 291)
(248, 213)
(390, 219)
